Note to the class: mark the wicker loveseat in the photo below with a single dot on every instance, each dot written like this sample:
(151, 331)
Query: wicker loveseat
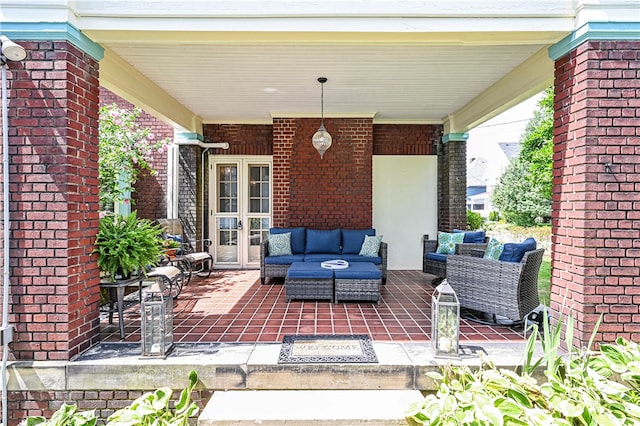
(474, 244)
(312, 245)
(496, 287)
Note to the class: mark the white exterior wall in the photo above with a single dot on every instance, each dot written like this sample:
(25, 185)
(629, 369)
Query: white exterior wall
(405, 205)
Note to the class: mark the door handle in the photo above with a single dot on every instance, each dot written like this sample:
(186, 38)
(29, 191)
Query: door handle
(239, 225)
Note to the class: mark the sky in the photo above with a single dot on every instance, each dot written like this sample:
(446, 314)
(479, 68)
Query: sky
(506, 127)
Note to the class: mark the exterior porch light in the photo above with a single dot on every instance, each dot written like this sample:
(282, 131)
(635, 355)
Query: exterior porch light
(157, 320)
(445, 321)
(321, 139)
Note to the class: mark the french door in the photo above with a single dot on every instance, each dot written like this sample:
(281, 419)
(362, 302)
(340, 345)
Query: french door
(239, 209)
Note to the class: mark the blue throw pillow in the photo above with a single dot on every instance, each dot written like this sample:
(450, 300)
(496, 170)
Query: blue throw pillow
(472, 237)
(447, 242)
(494, 249)
(298, 238)
(352, 239)
(323, 241)
(514, 252)
(280, 244)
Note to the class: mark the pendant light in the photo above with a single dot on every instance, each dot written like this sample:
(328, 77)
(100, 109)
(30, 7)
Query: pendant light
(321, 139)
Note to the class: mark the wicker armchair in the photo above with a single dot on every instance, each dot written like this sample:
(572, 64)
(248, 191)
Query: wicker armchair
(508, 289)
(439, 268)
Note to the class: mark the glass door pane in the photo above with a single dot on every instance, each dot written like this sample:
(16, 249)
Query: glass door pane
(227, 239)
(258, 209)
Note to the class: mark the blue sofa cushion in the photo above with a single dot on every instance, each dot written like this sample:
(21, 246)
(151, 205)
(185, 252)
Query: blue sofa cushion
(321, 257)
(353, 258)
(309, 270)
(471, 237)
(439, 257)
(323, 241)
(514, 252)
(298, 238)
(283, 260)
(358, 271)
(352, 239)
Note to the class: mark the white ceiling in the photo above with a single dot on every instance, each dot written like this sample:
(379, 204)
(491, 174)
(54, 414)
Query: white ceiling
(250, 83)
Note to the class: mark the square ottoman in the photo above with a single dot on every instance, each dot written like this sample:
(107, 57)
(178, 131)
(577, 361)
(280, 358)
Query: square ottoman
(360, 281)
(308, 280)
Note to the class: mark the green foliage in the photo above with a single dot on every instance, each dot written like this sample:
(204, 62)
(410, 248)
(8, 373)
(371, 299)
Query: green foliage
(520, 201)
(128, 244)
(474, 221)
(494, 216)
(125, 149)
(67, 415)
(523, 193)
(152, 408)
(580, 388)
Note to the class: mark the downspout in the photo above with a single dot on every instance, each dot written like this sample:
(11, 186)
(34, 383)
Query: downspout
(194, 140)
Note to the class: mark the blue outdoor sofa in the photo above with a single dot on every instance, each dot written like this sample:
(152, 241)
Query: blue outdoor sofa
(318, 245)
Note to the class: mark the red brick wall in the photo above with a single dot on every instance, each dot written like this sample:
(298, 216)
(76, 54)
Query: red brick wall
(150, 197)
(53, 141)
(406, 139)
(596, 203)
(327, 193)
(243, 139)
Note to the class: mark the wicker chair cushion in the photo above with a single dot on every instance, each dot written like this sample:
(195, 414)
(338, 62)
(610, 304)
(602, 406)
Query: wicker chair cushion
(471, 237)
(514, 252)
(283, 260)
(298, 238)
(371, 246)
(358, 271)
(280, 244)
(323, 241)
(352, 258)
(352, 239)
(309, 270)
(447, 242)
(439, 257)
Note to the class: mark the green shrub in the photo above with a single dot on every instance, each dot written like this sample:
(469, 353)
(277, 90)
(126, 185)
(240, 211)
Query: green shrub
(494, 216)
(152, 408)
(579, 388)
(474, 221)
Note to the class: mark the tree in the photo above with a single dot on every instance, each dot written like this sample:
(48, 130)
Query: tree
(523, 193)
(125, 149)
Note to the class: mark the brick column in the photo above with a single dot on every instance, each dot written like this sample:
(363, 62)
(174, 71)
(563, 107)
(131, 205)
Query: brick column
(596, 196)
(452, 182)
(53, 134)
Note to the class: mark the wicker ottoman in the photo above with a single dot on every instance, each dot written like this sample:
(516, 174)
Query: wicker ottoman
(360, 281)
(308, 280)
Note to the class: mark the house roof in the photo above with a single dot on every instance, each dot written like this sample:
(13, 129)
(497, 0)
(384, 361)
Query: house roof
(190, 62)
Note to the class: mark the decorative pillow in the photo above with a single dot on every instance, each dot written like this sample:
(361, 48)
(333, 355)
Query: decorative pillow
(473, 237)
(371, 246)
(447, 242)
(177, 238)
(280, 244)
(514, 252)
(352, 239)
(494, 249)
(298, 237)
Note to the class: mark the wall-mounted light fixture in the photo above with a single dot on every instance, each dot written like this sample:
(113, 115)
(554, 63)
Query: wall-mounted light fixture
(321, 139)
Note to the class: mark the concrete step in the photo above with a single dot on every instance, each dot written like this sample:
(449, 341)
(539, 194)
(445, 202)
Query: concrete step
(309, 407)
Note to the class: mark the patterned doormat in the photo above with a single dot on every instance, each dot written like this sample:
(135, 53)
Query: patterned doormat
(311, 349)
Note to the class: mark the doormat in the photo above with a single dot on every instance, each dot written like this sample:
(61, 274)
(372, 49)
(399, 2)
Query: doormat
(313, 349)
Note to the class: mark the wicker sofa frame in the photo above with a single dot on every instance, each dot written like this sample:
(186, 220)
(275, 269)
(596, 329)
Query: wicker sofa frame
(508, 289)
(280, 271)
(439, 269)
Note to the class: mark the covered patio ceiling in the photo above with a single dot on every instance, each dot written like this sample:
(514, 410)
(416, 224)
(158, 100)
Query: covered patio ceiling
(458, 62)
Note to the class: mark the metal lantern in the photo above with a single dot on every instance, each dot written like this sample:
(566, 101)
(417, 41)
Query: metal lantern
(157, 320)
(445, 321)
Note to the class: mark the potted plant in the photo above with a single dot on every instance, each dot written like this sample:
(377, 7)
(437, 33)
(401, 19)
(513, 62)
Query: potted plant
(127, 245)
